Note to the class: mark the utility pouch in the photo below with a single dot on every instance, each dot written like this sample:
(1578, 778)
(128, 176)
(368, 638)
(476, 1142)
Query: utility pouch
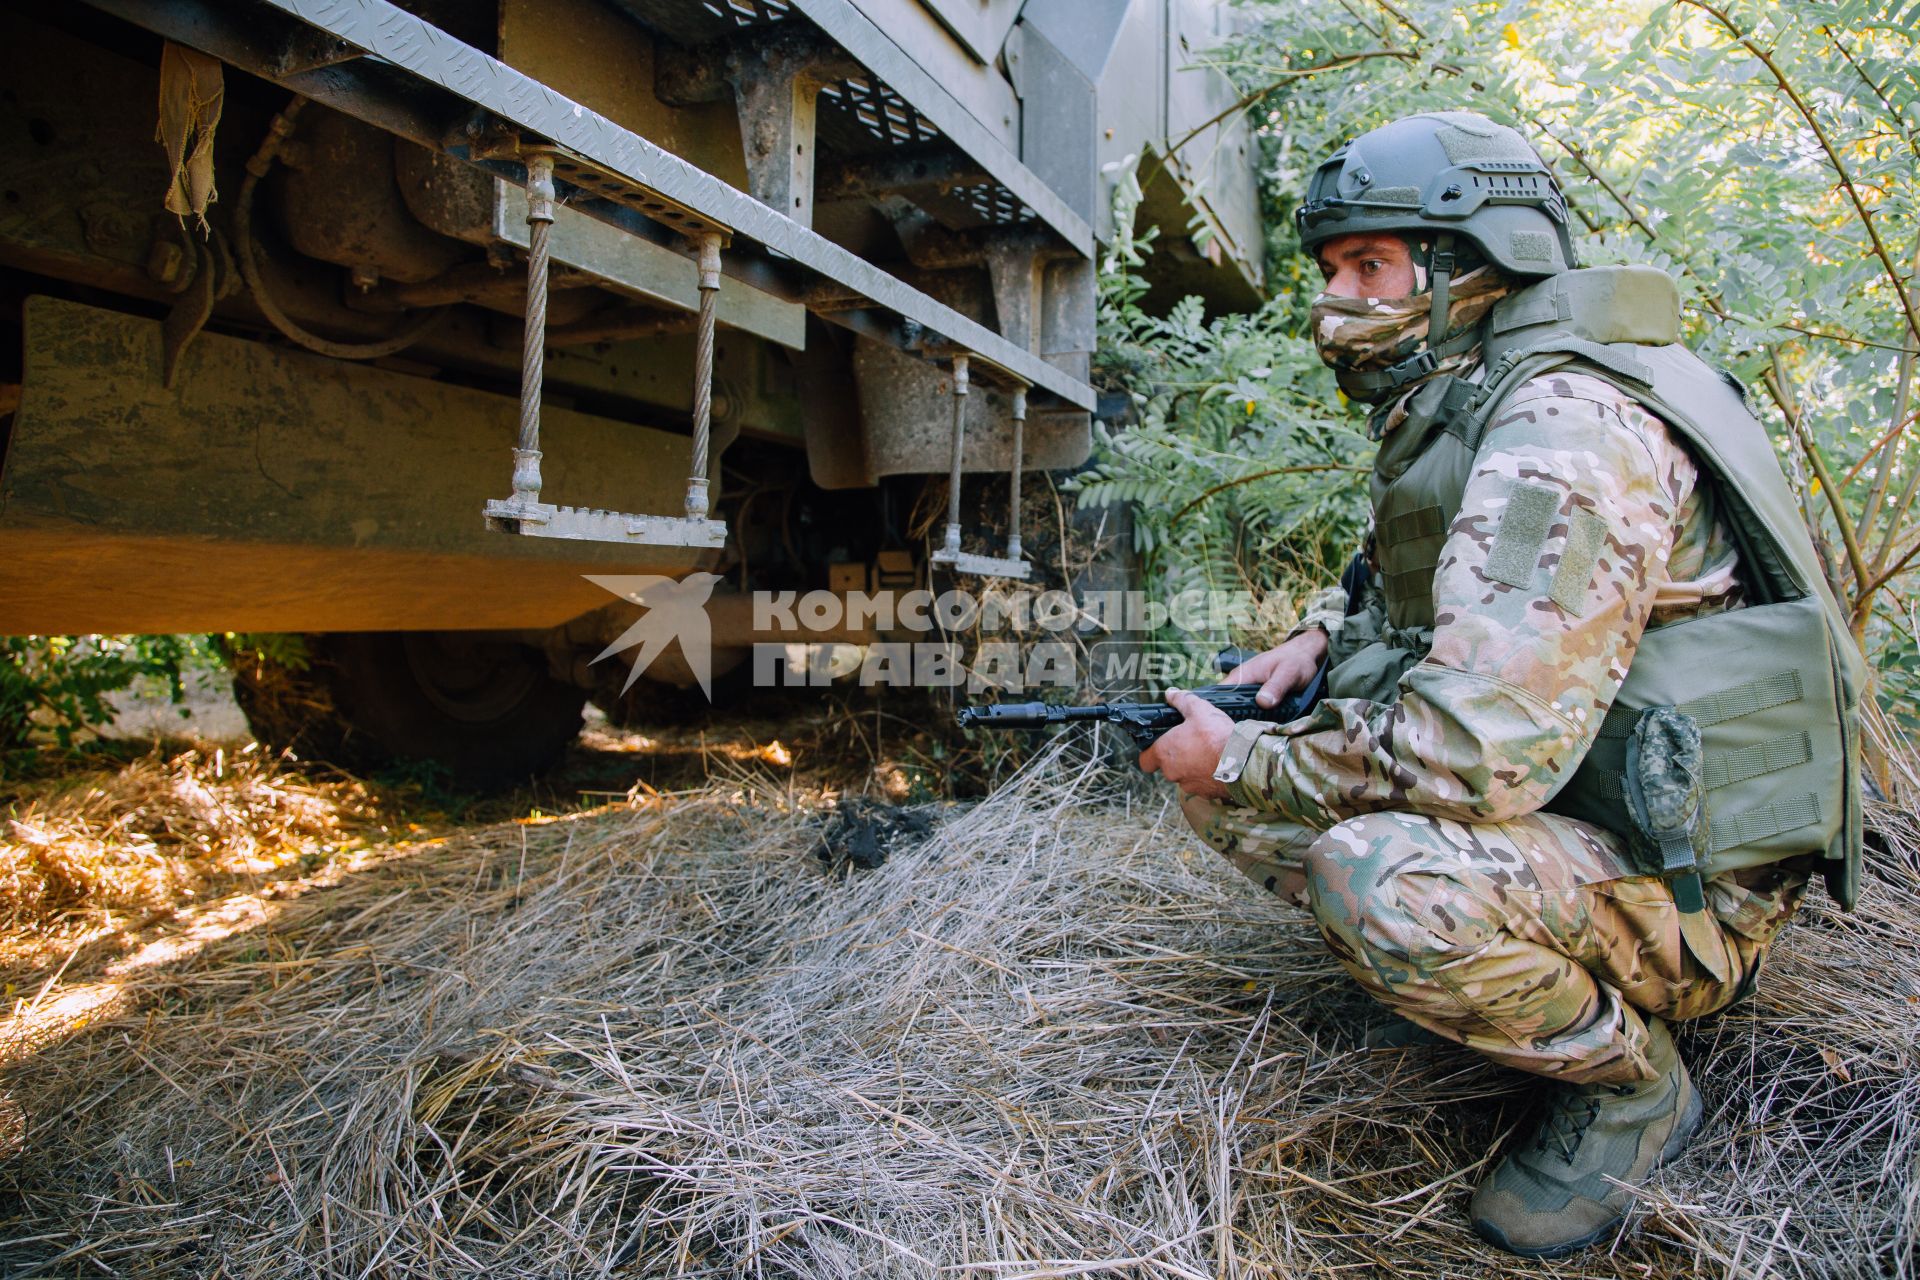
(1666, 795)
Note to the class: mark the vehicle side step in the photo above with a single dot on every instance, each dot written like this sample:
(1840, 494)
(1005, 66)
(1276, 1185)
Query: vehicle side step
(524, 513)
(949, 555)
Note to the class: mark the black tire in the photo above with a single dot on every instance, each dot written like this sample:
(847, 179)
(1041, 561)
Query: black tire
(485, 710)
(290, 709)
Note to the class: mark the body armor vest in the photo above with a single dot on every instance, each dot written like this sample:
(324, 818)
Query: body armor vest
(1774, 686)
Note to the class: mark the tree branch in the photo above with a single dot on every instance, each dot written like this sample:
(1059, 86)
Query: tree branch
(1833, 158)
(1872, 449)
(1893, 571)
(1850, 341)
(1775, 379)
(1377, 33)
(1340, 63)
(1419, 31)
(1913, 142)
(1902, 397)
(1302, 469)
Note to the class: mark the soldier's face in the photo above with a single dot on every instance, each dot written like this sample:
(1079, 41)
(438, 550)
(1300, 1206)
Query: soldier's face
(1364, 265)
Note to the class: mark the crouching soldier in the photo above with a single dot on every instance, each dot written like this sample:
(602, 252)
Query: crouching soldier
(1590, 715)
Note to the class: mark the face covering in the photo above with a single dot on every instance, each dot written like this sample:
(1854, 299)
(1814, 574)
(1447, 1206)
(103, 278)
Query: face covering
(1367, 335)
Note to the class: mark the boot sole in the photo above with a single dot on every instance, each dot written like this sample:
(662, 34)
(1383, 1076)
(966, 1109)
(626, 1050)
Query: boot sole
(1677, 1141)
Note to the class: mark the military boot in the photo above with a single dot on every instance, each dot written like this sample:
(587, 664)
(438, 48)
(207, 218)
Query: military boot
(1553, 1196)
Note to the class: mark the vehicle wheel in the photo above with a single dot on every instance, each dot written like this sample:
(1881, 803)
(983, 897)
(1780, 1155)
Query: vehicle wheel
(485, 709)
(289, 707)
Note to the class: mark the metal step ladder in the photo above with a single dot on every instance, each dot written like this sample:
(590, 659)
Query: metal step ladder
(949, 555)
(525, 513)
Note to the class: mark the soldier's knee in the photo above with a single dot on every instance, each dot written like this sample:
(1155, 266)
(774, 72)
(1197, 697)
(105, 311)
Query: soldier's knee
(1379, 883)
(1203, 815)
(1348, 861)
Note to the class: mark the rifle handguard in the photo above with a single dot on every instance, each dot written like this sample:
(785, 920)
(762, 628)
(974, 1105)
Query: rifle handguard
(1145, 722)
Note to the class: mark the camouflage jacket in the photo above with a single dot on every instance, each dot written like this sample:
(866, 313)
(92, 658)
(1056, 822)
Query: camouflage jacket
(1514, 687)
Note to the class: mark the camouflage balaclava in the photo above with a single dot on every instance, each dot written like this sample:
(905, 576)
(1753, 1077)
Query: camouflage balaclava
(1366, 335)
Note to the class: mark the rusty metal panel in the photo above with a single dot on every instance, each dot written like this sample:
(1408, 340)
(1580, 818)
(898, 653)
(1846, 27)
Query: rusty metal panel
(274, 490)
(1069, 319)
(907, 406)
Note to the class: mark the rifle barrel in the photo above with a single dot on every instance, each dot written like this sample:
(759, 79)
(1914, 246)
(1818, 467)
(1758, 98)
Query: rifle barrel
(1027, 715)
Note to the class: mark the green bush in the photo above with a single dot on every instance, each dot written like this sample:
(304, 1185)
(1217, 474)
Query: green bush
(1244, 467)
(59, 684)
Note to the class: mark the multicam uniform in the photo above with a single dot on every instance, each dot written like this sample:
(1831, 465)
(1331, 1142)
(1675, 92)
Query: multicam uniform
(1412, 828)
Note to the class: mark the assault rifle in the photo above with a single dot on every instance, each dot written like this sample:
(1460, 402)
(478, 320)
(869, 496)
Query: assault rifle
(1146, 721)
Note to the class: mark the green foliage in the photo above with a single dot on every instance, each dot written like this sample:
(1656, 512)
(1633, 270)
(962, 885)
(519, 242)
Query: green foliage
(1243, 467)
(1898, 659)
(62, 682)
(1766, 155)
(273, 648)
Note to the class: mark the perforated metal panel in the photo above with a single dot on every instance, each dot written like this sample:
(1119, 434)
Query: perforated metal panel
(882, 113)
(608, 185)
(858, 116)
(747, 13)
(992, 202)
(862, 116)
(698, 21)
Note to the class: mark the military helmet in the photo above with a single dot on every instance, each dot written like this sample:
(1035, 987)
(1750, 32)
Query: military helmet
(1440, 174)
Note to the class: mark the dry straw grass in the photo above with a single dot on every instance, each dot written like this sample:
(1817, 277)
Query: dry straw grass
(165, 827)
(1056, 1039)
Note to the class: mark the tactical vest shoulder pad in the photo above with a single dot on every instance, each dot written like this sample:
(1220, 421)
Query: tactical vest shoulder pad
(1638, 305)
(1623, 323)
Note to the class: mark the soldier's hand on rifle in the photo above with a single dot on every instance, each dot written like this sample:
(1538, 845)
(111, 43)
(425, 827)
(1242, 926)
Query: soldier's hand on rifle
(1284, 669)
(1187, 755)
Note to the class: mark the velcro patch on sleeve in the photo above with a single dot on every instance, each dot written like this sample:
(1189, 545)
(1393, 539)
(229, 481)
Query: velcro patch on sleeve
(1586, 535)
(1523, 531)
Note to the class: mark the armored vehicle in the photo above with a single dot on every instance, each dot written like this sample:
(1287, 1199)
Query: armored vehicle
(388, 324)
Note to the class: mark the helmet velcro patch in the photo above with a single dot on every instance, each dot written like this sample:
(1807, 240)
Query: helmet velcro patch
(1531, 246)
(1502, 144)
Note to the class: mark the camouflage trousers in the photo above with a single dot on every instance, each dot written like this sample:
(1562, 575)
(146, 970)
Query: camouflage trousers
(1532, 941)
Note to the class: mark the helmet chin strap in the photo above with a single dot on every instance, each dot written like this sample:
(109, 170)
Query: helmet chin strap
(1440, 277)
